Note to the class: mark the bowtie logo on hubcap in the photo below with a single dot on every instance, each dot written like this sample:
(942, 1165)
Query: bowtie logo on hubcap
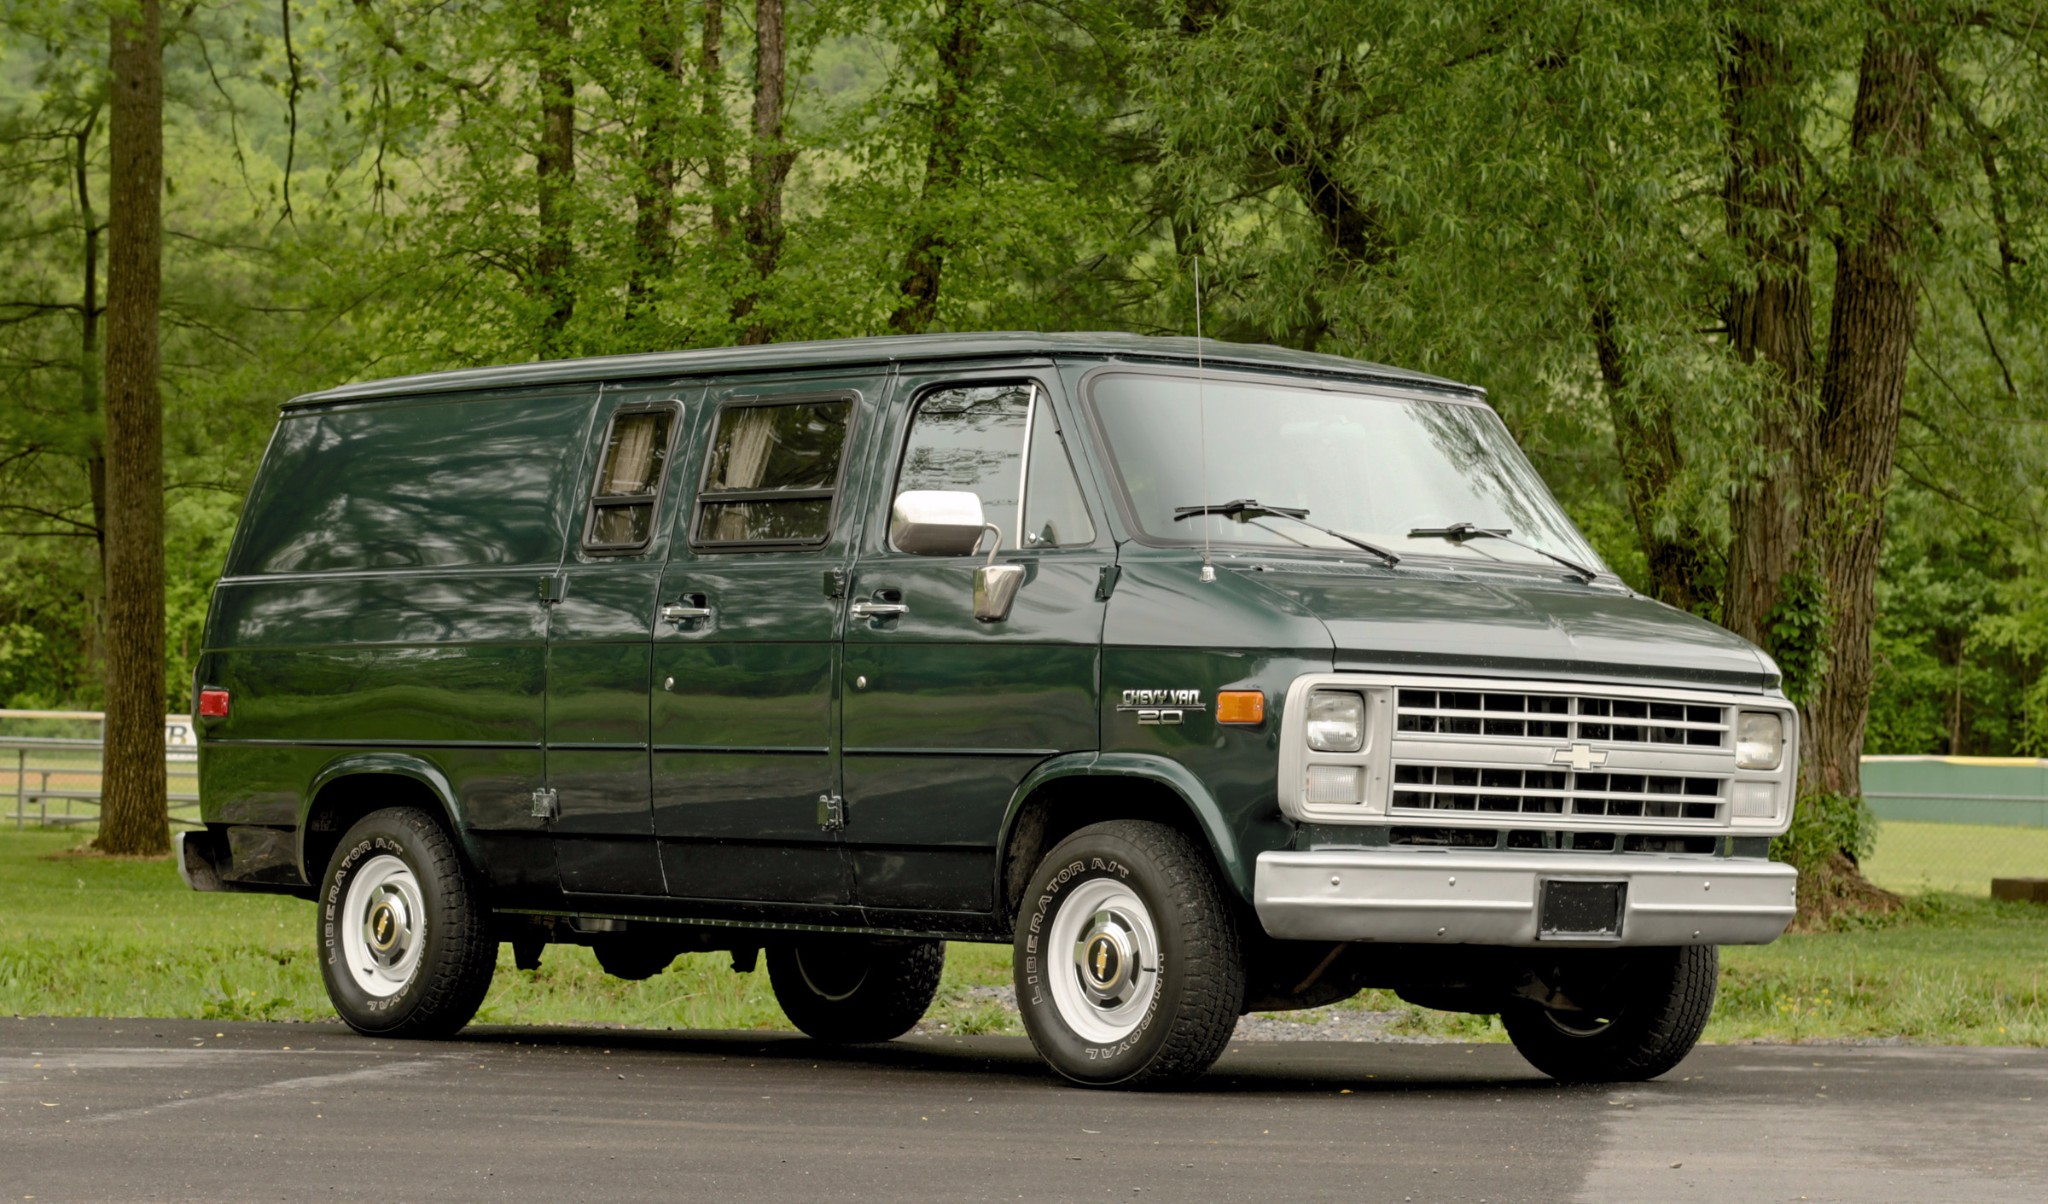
(1580, 757)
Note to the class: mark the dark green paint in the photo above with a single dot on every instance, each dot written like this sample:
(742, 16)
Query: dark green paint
(410, 597)
(955, 712)
(745, 738)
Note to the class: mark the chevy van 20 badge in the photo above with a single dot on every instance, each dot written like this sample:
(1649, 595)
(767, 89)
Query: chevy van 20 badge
(1211, 685)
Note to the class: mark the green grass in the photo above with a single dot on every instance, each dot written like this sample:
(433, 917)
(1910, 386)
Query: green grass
(1963, 858)
(1951, 968)
(89, 936)
(83, 936)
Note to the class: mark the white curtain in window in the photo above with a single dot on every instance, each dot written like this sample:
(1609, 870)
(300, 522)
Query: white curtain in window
(631, 471)
(748, 449)
(748, 446)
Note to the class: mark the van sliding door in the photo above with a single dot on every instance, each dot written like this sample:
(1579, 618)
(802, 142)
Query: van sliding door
(746, 652)
(600, 634)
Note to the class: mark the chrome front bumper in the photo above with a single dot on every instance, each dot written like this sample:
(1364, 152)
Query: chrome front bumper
(1451, 897)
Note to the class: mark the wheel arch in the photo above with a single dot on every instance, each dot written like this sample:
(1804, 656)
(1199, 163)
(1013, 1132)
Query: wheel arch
(1067, 793)
(354, 786)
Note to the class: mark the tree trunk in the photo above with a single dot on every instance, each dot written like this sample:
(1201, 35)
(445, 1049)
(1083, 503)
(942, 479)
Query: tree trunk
(1870, 338)
(963, 26)
(768, 164)
(654, 191)
(1646, 444)
(89, 385)
(555, 165)
(1769, 317)
(134, 815)
(711, 109)
(89, 338)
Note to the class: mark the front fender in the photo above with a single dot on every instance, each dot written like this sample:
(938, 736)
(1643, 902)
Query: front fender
(1237, 868)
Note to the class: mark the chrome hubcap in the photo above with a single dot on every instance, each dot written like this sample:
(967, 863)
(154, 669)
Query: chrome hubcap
(1113, 952)
(383, 925)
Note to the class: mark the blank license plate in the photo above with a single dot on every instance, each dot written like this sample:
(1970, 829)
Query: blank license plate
(1575, 909)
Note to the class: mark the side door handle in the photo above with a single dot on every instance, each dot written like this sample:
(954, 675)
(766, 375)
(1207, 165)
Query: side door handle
(694, 608)
(886, 604)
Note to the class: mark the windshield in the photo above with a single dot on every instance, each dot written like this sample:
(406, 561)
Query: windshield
(1371, 467)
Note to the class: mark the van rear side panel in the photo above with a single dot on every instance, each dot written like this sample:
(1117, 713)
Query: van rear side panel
(383, 605)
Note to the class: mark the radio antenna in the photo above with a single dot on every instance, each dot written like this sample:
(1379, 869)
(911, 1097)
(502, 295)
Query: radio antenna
(1202, 422)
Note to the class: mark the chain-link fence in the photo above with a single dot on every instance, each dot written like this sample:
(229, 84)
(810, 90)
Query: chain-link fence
(50, 767)
(1955, 823)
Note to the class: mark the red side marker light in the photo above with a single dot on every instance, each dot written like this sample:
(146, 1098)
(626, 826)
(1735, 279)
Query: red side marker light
(213, 704)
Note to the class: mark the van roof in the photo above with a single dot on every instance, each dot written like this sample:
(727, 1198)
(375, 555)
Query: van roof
(888, 350)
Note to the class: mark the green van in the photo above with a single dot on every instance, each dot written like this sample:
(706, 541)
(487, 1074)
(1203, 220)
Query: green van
(1215, 678)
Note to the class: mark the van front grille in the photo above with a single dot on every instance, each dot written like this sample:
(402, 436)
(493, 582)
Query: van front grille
(1555, 716)
(1556, 792)
(1525, 839)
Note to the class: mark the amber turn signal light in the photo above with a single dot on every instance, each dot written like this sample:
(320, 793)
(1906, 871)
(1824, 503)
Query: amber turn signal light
(213, 704)
(1240, 706)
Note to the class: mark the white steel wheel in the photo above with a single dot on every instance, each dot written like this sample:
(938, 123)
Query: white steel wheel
(1127, 960)
(406, 943)
(1104, 955)
(384, 926)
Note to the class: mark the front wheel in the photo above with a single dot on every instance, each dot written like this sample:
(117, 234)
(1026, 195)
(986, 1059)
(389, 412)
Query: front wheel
(1128, 964)
(1635, 1019)
(405, 943)
(851, 991)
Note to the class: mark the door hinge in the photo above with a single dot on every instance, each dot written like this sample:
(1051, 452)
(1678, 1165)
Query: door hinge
(1105, 581)
(835, 583)
(831, 812)
(546, 804)
(553, 588)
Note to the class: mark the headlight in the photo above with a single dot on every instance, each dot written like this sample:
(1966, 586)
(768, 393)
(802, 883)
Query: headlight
(1336, 721)
(1759, 739)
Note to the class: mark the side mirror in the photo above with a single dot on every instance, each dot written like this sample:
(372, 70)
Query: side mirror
(936, 522)
(995, 588)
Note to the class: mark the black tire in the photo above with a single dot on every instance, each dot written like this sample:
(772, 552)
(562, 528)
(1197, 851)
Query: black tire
(853, 991)
(1115, 894)
(633, 960)
(1640, 1024)
(432, 972)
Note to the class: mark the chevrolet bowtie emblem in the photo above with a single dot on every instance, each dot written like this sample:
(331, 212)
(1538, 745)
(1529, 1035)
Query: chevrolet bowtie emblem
(1580, 757)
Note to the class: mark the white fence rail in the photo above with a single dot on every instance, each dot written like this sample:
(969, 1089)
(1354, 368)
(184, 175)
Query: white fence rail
(55, 781)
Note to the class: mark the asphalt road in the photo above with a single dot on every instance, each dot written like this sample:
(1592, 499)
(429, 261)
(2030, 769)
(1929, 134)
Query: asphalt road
(193, 1110)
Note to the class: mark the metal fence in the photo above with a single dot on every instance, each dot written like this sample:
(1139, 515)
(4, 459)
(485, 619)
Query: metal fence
(50, 767)
(1955, 823)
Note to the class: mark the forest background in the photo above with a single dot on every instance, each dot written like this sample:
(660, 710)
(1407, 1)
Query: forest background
(1758, 285)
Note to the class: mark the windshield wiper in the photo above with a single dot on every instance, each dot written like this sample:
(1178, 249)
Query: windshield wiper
(1459, 533)
(1245, 510)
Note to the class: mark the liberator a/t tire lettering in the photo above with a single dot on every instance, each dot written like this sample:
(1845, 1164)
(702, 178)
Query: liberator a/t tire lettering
(405, 943)
(1128, 962)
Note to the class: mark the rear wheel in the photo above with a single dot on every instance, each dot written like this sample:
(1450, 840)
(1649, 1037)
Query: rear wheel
(1636, 1018)
(406, 946)
(852, 991)
(1128, 964)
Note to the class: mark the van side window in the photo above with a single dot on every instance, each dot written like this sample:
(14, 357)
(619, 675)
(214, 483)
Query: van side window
(375, 487)
(1054, 513)
(973, 438)
(628, 480)
(773, 472)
